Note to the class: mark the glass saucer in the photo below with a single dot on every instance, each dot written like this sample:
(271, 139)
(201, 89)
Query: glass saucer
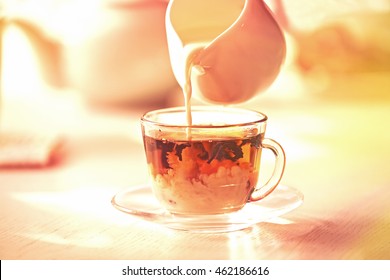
(139, 201)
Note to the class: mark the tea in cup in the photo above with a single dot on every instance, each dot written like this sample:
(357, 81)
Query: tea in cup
(212, 166)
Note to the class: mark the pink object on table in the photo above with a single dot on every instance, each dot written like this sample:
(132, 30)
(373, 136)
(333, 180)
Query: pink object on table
(27, 150)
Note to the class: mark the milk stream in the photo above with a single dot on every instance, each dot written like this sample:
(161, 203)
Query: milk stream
(223, 52)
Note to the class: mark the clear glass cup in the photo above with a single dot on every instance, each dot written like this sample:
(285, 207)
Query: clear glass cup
(211, 167)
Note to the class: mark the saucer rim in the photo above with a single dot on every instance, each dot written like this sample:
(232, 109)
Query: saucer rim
(207, 223)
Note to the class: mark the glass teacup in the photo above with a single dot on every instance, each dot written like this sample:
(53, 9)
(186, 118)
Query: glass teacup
(211, 167)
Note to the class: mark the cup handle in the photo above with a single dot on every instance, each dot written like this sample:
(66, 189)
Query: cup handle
(280, 163)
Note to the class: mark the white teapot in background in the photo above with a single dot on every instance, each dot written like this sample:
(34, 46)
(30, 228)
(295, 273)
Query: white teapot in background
(112, 51)
(224, 51)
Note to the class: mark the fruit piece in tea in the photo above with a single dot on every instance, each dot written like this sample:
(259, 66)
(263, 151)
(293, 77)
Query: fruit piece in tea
(204, 176)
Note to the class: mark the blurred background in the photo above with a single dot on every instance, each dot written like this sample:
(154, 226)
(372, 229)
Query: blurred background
(114, 51)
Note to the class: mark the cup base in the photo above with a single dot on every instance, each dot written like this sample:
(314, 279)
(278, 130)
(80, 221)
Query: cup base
(139, 201)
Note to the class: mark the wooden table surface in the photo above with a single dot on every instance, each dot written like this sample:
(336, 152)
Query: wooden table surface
(338, 156)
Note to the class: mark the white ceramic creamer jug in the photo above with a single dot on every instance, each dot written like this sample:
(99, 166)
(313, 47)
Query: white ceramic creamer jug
(223, 51)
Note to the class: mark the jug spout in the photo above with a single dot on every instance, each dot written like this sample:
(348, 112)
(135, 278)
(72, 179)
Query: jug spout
(47, 51)
(228, 51)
